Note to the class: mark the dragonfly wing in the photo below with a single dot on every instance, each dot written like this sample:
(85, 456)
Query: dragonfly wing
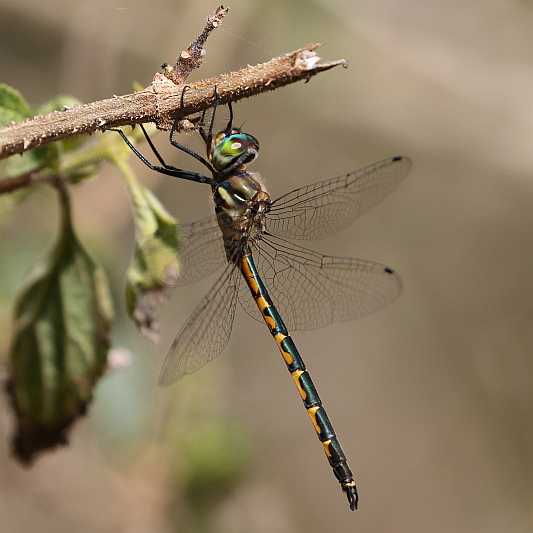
(312, 290)
(201, 251)
(322, 208)
(207, 331)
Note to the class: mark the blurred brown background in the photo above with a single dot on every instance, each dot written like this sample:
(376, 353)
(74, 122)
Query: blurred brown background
(432, 397)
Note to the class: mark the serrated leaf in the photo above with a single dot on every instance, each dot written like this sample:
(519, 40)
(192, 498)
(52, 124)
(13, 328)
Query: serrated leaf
(155, 266)
(60, 345)
(13, 106)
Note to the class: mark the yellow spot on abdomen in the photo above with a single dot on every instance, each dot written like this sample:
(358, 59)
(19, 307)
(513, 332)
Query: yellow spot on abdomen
(246, 269)
(262, 303)
(287, 357)
(296, 377)
(312, 415)
(326, 445)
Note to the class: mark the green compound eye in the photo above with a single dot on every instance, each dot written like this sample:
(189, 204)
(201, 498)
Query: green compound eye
(232, 148)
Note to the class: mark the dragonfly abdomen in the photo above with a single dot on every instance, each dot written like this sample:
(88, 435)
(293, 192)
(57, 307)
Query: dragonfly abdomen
(302, 380)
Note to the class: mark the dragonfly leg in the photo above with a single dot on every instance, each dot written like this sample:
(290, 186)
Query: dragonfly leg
(229, 125)
(164, 168)
(186, 149)
(302, 380)
(182, 147)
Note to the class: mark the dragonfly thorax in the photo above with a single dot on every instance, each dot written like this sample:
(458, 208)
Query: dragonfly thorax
(241, 202)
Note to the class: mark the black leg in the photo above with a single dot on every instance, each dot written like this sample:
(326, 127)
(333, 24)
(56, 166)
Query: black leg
(215, 105)
(207, 137)
(201, 127)
(187, 150)
(152, 146)
(175, 143)
(229, 125)
(165, 169)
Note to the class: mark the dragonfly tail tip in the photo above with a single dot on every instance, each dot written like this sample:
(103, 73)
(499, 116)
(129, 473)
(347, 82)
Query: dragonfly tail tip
(353, 497)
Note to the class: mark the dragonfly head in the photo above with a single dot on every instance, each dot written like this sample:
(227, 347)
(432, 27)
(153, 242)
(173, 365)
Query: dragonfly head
(230, 149)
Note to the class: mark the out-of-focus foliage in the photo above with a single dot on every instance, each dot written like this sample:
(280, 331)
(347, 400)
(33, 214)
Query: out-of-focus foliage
(14, 108)
(60, 343)
(154, 266)
(63, 317)
(215, 456)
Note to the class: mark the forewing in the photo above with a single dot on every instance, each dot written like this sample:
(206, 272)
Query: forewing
(322, 208)
(207, 331)
(312, 290)
(202, 250)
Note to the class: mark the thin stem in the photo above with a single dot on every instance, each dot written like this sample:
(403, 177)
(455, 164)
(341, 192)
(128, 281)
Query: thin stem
(10, 185)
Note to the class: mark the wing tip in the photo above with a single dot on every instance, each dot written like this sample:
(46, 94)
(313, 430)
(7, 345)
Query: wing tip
(402, 158)
(407, 161)
(394, 274)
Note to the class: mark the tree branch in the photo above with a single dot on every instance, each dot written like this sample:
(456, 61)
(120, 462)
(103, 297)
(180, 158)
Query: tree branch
(27, 179)
(162, 101)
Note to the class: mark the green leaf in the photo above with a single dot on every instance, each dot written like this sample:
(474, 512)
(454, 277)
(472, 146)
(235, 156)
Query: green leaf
(61, 339)
(13, 106)
(82, 172)
(41, 157)
(155, 265)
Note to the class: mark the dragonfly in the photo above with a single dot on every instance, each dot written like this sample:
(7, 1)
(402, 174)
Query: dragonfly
(250, 242)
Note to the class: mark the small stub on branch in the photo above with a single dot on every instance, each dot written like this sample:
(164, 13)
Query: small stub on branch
(192, 58)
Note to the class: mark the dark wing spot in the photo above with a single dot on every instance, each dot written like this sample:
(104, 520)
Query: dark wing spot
(388, 270)
(397, 158)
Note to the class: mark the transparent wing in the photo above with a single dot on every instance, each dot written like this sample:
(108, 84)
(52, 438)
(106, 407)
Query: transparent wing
(324, 207)
(202, 250)
(312, 290)
(206, 333)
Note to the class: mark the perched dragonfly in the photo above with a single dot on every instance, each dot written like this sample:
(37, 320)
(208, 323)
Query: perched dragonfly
(250, 239)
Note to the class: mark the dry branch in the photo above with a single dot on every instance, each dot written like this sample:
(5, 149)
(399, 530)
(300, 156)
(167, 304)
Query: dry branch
(159, 100)
(162, 101)
(24, 180)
